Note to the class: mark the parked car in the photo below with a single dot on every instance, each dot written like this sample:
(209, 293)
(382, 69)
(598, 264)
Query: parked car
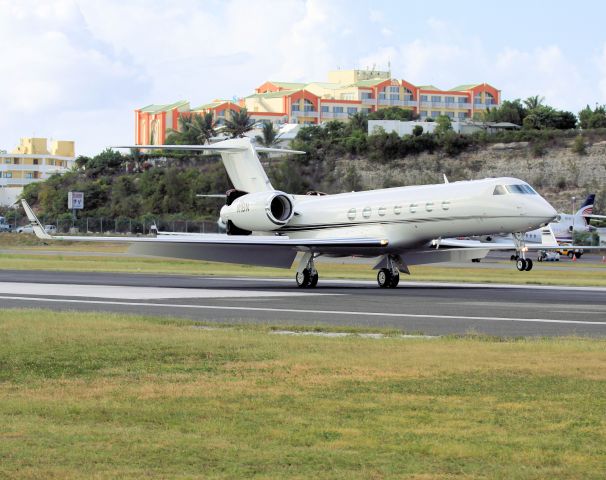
(25, 229)
(4, 227)
(50, 229)
(548, 256)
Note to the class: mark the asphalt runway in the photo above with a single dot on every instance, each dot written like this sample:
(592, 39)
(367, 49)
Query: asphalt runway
(413, 307)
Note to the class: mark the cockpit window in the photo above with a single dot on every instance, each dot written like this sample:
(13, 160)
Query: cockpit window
(499, 190)
(521, 189)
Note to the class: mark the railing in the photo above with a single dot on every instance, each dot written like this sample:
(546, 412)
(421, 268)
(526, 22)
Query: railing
(335, 114)
(5, 182)
(304, 114)
(484, 106)
(453, 105)
(33, 168)
(369, 101)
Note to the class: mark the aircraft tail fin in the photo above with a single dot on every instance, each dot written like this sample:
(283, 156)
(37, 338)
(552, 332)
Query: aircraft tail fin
(586, 208)
(239, 158)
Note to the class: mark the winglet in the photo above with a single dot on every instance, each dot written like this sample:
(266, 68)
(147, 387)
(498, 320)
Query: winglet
(34, 222)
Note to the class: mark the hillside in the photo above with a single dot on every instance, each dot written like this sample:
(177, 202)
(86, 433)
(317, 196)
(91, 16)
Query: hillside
(559, 174)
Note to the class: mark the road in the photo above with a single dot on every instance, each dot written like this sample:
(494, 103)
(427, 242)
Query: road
(414, 307)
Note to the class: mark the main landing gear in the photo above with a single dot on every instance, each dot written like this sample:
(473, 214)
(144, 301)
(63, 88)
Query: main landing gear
(389, 277)
(307, 275)
(523, 264)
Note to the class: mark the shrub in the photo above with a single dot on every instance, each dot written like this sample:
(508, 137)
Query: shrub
(578, 145)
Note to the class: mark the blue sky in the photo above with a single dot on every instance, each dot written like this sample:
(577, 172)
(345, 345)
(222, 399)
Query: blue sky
(76, 69)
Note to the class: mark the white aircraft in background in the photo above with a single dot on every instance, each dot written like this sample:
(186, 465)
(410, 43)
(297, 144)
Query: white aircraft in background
(404, 225)
(559, 233)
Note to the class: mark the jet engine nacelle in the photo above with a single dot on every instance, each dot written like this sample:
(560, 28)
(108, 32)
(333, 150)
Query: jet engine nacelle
(260, 211)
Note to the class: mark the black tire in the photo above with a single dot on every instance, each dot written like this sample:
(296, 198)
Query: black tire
(395, 279)
(314, 280)
(384, 278)
(570, 254)
(521, 264)
(303, 278)
(513, 257)
(528, 267)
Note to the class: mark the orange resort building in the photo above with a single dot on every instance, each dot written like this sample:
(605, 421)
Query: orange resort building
(31, 162)
(346, 92)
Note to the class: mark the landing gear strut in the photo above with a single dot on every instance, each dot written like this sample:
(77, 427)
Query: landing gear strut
(523, 264)
(389, 277)
(307, 275)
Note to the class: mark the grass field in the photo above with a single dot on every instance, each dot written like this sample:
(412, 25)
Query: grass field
(116, 396)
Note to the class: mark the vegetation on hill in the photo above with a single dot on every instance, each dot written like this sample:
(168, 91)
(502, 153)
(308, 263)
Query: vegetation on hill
(165, 184)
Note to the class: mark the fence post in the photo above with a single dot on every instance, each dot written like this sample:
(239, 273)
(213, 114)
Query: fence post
(101, 225)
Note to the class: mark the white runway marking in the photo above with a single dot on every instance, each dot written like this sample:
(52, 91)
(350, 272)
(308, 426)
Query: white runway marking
(134, 293)
(310, 312)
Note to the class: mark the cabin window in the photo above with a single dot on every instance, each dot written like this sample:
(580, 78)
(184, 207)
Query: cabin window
(413, 207)
(521, 189)
(351, 214)
(397, 209)
(499, 190)
(382, 211)
(366, 212)
(429, 206)
(445, 205)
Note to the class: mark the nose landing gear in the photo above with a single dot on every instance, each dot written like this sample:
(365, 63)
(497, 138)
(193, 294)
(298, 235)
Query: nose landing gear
(523, 264)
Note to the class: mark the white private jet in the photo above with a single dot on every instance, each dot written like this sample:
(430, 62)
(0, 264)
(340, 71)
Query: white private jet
(403, 225)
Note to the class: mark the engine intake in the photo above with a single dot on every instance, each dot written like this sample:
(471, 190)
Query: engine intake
(260, 211)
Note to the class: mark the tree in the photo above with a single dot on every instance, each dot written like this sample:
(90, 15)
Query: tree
(392, 113)
(589, 118)
(417, 130)
(534, 102)
(239, 124)
(443, 125)
(269, 135)
(509, 111)
(194, 129)
(359, 121)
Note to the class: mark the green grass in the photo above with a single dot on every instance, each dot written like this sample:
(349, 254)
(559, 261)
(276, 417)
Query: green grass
(543, 273)
(116, 396)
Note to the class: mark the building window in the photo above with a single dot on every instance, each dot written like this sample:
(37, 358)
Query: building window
(352, 110)
(436, 99)
(424, 98)
(462, 114)
(295, 107)
(35, 161)
(449, 99)
(423, 113)
(7, 160)
(308, 106)
(365, 95)
(337, 109)
(461, 99)
(347, 96)
(221, 113)
(16, 161)
(365, 110)
(450, 114)
(325, 108)
(28, 175)
(435, 114)
(8, 174)
(394, 89)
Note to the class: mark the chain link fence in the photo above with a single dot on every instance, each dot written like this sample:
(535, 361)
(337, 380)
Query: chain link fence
(128, 226)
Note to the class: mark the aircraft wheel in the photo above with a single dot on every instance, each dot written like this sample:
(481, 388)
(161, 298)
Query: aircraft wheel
(384, 278)
(303, 278)
(395, 279)
(513, 257)
(570, 254)
(313, 281)
(528, 265)
(521, 264)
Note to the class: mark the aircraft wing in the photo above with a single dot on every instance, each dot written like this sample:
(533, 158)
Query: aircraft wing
(505, 245)
(264, 250)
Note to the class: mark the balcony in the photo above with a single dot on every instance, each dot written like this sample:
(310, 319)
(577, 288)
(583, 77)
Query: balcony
(17, 182)
(368, 101)
(484, 106)
(48, 169)
(453, 105)
(298, 114)
(335, 115)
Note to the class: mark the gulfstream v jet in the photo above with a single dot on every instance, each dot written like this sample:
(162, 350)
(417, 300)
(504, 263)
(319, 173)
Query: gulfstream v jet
(403, 226)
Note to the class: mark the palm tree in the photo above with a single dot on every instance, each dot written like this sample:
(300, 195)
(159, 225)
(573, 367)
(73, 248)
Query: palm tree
(193, 130)
(359, 121)
(269, 135)
(239, 124)
(534, 102)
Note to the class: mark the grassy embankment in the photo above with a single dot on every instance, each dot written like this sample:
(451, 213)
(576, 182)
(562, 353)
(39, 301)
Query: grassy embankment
(542, 274)
(117, 396)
